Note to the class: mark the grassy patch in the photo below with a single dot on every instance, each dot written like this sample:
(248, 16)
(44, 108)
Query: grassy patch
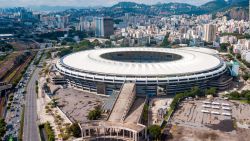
(20, 134)
(244, 101)
(145, 115)
(49, 131)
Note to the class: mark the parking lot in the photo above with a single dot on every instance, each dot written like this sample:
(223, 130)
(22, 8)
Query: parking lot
(77, 104)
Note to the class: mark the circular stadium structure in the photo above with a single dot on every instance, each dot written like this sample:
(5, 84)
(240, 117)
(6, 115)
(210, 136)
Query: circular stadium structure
(151, 69)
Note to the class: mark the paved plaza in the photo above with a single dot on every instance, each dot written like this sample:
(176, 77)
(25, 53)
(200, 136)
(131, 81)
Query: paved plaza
(76, 104)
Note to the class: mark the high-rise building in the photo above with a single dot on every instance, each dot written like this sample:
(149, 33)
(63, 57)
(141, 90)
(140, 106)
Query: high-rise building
(210, 32)
(81, 24)
(104, 27)
(99, 31)
(62, 21)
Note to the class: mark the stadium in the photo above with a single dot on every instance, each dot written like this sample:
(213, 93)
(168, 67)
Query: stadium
(153, 70)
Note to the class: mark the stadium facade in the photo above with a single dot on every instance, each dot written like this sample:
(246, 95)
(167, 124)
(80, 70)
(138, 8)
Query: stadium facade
(153, 70)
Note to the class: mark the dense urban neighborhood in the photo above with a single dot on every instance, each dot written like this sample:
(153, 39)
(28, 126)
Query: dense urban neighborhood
(129, 72)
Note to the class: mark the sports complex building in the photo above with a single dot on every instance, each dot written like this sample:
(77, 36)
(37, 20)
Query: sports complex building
(153, 70)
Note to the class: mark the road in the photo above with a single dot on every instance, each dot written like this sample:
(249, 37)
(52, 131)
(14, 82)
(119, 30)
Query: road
(30, 130)
(44, 49)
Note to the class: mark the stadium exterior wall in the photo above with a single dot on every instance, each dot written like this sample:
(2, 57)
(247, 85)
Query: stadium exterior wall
(149, 85)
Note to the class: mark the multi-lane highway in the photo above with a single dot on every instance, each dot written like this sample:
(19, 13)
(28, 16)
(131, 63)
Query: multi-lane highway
(13, 115)
(30, 130)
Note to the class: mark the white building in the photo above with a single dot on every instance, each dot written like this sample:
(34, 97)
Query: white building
(210, 32)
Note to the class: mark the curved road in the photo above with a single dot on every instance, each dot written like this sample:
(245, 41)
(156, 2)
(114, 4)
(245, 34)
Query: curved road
(30, 129)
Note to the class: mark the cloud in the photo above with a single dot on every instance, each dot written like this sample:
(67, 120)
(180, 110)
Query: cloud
(85, 3)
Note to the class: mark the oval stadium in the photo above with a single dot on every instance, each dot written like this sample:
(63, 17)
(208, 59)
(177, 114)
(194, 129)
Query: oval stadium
(153, 70)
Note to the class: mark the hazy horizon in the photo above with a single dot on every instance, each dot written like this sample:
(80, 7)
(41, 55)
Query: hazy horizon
(88, 3)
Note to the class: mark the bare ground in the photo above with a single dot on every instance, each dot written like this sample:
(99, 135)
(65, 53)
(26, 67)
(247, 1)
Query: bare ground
(180, 133)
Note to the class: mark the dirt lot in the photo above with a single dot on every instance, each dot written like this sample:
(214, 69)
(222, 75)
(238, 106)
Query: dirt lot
(191, 124)
(241, 112)
(8, 63)
(190, 114)
(180, 133)
(23, 45)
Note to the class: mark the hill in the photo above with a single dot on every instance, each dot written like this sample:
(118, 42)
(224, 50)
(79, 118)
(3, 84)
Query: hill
(237, 9)
(214, 6)
(129, 5)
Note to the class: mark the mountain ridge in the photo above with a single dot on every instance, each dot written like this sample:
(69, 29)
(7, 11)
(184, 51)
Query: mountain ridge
(183, 8)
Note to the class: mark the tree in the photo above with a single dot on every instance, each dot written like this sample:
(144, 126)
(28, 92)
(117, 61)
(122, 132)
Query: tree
(4, 46)
(245, 76)
(234, 95)
(195, 91)
(65, 51)
(96, 42)
(95, 114)
(2, 128)
(68, 40)
(154, 131)
(247, 96)
(165, 42)
(145, 114)
(210, 91)
(223, 47)
(75, 130)
(54, 102)
(108, 43)
(63, 43)
(244, 93)
(48, 55)
(49, 131)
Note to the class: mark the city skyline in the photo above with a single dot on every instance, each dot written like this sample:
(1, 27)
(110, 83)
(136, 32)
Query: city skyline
(137, 70)
(85, 3)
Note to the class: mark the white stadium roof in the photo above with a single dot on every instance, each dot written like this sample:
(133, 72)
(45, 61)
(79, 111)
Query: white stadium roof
(202, 50)
(192, 61)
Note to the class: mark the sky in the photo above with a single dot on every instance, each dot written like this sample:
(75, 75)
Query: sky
(87, 3)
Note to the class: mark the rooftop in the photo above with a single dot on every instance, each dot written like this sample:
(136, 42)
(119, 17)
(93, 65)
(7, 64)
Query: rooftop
(191, 61)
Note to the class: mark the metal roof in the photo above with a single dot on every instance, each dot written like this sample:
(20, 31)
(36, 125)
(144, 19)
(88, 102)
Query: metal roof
(191, 62)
